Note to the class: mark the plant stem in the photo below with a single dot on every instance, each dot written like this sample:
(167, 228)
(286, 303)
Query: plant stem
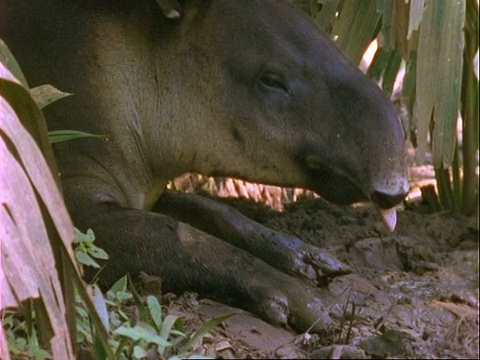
(456, 180)
(469, 110)
(444, 186)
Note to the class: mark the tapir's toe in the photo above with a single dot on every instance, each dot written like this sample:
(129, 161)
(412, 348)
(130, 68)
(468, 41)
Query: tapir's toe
(310, 311)
(288, 302)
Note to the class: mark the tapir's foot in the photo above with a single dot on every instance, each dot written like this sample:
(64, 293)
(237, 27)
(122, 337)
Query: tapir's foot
(286, 253)
(189, 259)
(293, 304)
(302, 260)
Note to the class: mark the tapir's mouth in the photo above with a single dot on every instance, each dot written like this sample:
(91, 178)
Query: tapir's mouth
(338, 187)
(329, 180)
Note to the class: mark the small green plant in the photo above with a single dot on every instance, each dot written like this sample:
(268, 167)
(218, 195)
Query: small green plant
(22, 335)
(153, 333)
(85, 250)
(137, 327)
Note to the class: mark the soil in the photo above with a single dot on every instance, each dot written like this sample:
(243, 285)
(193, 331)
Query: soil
(413, 293)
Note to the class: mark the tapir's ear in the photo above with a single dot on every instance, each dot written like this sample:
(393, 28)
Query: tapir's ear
(170, 8)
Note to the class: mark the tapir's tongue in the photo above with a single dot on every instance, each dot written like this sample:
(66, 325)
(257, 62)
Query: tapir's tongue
(389, 217)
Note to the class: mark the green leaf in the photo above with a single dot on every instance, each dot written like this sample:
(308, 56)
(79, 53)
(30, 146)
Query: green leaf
(155, 310)
(205, 328)
(138, 333)
(123, 316)
(46, 94)
(387, 10)
(177, 333)
(142, 310)
(99, 349)
(9, 61)
(361, 16)
(120, 285)
(378, 64)
(97, 253)
(415, 18)
(81, 311)
(166, 329)
(64, 135)
(123, 295)
(86, 259)
(89, 236)
(409, 85)
(110, 296)
(326, 16)
(391, 71)
(100, 306)
(440, 47)
(139, 352)
(168, 325)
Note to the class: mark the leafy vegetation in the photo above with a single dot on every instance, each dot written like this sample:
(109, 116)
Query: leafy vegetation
(35, 228)
(154, 334)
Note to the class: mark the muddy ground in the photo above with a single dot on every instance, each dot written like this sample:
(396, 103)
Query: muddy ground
(412, 293)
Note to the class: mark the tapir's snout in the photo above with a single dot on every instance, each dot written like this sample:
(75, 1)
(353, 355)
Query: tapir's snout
(345, 177)
(388, 197)
(388, 200)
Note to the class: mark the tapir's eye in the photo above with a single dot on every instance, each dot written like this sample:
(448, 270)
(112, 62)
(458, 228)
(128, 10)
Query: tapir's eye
(271, 80)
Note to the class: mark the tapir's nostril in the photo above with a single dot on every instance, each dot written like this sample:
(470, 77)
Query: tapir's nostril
(387, 201)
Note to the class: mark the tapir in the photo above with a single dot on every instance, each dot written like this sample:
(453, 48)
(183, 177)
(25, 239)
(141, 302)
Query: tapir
(251, 89)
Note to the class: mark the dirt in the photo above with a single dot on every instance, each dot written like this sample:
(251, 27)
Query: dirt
(413, 293)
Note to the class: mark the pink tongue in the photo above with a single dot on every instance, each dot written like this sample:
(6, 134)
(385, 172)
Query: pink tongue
(389, 217)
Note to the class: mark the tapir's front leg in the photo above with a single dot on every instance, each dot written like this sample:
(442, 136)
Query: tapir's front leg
(286, 253)
(189, 259)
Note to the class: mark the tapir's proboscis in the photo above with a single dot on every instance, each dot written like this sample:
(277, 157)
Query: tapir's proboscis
(251, 89)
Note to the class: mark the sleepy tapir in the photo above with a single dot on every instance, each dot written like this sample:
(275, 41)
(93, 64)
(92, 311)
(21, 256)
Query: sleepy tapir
(250, 89)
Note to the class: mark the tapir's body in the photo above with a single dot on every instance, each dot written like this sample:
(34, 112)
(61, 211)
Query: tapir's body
(250, 89)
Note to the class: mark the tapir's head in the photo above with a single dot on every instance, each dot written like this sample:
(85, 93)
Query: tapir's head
(281, 104)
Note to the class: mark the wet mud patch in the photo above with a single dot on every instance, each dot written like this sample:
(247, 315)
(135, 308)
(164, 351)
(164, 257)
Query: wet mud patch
(412, 293)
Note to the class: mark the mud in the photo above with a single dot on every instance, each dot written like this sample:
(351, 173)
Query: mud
(413, 293)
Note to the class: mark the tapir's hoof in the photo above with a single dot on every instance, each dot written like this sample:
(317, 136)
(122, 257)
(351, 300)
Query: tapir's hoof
(320, 263)
(301, 260)
(294, 304)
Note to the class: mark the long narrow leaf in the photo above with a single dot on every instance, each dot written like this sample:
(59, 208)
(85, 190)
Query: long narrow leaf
(166, 329)
(167, 325)
(470, 110)
(326, 16)
(155, 310)
(416, 15)
(361, 16)
(440, 48)
(8, 60)
(29, 192)
(56, 136)
(206, 327)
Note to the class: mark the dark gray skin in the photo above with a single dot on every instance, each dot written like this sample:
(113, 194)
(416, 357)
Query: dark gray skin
(250, 89)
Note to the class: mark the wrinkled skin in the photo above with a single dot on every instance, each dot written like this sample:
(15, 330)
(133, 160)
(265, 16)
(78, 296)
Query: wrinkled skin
(250, 89)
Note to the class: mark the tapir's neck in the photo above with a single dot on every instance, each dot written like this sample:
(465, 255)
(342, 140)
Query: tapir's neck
(135, 68)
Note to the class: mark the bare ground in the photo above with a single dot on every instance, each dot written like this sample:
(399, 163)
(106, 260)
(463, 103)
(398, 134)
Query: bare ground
(412, 293)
